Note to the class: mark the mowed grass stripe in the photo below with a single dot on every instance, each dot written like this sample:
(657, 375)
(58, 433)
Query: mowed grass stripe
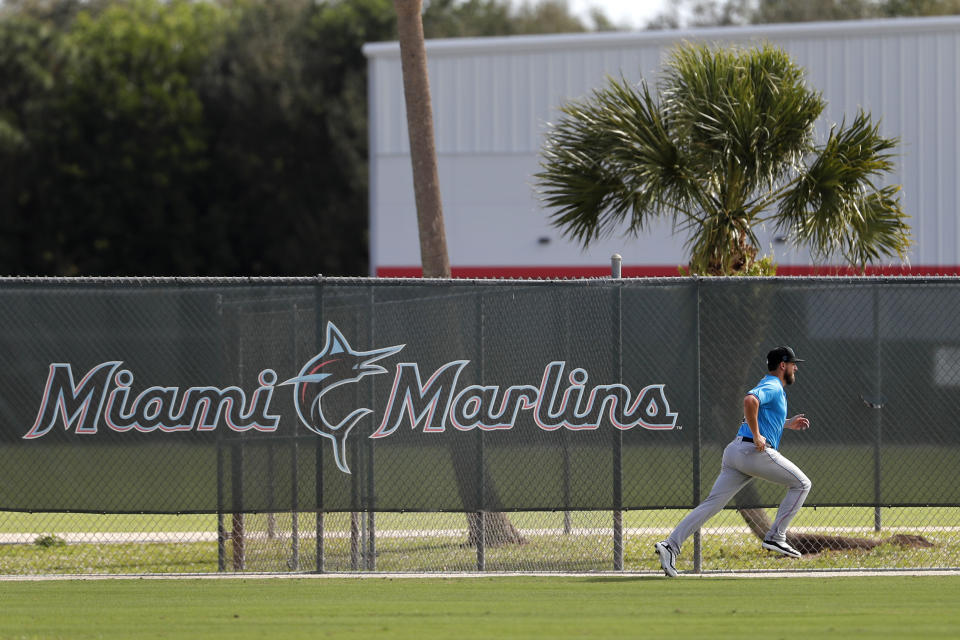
(509, 607)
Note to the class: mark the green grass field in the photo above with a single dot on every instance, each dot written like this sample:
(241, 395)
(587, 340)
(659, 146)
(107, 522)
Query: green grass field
(506, 607)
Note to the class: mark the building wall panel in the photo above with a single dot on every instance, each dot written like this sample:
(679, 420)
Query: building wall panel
(494, 97)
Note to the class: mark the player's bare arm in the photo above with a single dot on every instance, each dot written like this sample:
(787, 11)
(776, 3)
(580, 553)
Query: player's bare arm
(751, 407)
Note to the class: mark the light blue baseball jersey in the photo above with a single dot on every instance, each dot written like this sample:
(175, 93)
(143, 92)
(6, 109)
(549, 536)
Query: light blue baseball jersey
(772, 413)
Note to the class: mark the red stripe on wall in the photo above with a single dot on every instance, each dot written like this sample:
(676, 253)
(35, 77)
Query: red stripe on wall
(920, 270)
(531, 272)
(651, 271)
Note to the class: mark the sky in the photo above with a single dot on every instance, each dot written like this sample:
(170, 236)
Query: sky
(634, 12)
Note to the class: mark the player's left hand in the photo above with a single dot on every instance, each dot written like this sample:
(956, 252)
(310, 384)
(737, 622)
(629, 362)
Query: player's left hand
(798, 422)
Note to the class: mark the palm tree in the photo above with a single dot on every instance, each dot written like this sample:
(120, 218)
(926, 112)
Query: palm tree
(727, 144)
(493, 527)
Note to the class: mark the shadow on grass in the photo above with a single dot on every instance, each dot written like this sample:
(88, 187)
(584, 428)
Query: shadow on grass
(631, 578)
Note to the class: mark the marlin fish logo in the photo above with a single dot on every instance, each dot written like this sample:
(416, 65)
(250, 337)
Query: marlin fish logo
(336, 365)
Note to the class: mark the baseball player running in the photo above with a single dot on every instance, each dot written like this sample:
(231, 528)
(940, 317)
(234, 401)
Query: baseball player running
(753, 454)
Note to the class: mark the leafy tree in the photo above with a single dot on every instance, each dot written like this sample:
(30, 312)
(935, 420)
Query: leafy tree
(218, 137)
(30, 55)
(549, 16)
(137, 136)
(704, 13)
(727, 144)
(56, 13)
(893, 8)
(184, 138)
(33, 57)
(285, 104)
(783, 11)
(113, 132)
(474, 18)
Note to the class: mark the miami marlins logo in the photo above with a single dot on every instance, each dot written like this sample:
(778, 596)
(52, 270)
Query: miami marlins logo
(564, 398)
(338, 364)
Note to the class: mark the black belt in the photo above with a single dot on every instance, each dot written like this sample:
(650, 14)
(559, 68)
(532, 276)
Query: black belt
(749, 439)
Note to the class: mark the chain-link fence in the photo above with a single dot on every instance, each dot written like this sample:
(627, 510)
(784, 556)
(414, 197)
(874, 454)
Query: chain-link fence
(359, 425)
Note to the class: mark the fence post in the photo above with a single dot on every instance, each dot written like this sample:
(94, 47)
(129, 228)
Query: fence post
(237, 535)
(238, 532)
(294, 510)
(564, 437)
(271, 492)
(318, 447)
(878, 415)
(371, 479)
(294, 471)
(616, 272)
(321, 559)
(221, 528)
(481, 514)
(358, 525)
(481, 455)
(697, 547)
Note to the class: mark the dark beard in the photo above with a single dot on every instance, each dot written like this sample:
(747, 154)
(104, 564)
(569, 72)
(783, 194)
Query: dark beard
(789, 378)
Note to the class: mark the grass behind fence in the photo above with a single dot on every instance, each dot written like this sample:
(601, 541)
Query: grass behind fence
(436, 542)
(849, 517)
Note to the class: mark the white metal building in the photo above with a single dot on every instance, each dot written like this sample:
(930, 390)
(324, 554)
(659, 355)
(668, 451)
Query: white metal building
(493, 97)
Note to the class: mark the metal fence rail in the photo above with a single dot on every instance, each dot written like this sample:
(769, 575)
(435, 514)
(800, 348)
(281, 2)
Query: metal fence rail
(312, 424)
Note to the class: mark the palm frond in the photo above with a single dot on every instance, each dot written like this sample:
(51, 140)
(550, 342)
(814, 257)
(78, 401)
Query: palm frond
(880, 232)
(611, 160)
(746, 114)
(836, 205)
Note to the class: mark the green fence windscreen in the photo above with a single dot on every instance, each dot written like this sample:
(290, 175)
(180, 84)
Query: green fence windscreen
(359, 395)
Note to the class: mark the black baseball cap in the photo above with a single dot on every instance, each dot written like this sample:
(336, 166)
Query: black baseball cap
(781, 354)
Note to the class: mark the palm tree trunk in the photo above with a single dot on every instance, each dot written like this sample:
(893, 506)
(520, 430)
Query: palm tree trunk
(423, 156)
(426, 187)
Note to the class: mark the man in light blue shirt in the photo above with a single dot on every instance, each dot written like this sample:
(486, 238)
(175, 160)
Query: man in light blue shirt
(753, 454)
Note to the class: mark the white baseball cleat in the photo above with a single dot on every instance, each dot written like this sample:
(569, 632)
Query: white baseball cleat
(781, 547)
(668, 558)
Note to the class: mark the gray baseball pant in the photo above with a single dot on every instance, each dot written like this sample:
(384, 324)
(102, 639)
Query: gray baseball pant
(741, 464)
